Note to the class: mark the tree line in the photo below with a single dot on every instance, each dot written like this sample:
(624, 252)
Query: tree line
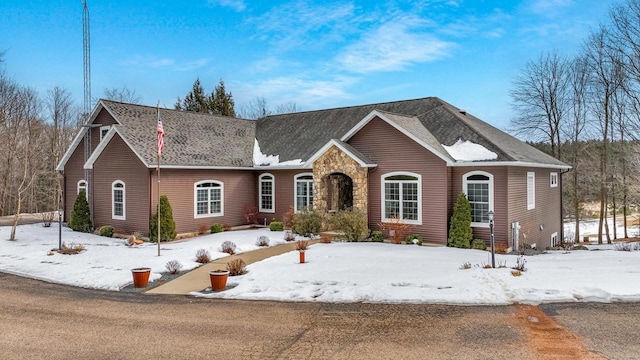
(583, 109)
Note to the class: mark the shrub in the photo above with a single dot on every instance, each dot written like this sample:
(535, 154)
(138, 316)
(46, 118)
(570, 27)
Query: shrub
(216, 228)
(377, 236)
(73, 249)
(502, 264)
(411, 237)
(228, 247)
(580, 247)
(307, 223)
(520, 261)
(289, 236)
(460, 233)
(516, 272)
(202, 228)
(302, 245)
(396, 229)
(465, 266)
(353, 223)
(626, 246)
(262, 241)
(167, 225)
(478, 244)
(173, 266)
(326, 238)
(203, 256)
(276, 226)
(106, 230)
(287, 219)
(236, 267)
(47, 218)
(80, 219)
(251, 214)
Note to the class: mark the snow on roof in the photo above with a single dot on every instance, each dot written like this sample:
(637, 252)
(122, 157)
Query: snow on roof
(469, 151)
(260, 159)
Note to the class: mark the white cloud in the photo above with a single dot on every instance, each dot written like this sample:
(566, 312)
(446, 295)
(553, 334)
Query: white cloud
(154, 62)
(547, 6)
(393, 46)
(237, 5)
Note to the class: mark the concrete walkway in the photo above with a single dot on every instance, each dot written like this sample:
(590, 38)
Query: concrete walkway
(198, 279)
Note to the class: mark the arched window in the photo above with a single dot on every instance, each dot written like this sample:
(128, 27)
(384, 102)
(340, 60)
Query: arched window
(303, 191)
(267, 193)
(82, 185)
(478, 186)
(402, 197)
(118, 200)
(208, 198)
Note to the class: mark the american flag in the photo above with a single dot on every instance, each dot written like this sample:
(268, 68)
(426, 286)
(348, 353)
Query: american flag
(160, 135)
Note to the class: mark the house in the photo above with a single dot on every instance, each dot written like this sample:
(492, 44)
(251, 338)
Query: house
(404, 159)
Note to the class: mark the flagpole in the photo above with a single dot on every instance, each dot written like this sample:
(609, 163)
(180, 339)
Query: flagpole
(158, 170)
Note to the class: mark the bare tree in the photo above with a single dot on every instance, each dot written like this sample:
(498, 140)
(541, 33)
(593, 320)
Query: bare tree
(540, 98)
(123, 94)
(575, 130)
(258, 109)
(607, 78)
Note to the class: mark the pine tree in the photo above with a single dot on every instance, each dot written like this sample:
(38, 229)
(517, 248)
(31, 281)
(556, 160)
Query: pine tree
(460, 233)
(80, 219)
(219, 102)
(167, 225)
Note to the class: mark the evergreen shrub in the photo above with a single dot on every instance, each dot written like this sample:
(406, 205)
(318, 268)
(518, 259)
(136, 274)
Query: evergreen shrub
(80, 219)
(276, 226)
(460, 233)
(167, 225)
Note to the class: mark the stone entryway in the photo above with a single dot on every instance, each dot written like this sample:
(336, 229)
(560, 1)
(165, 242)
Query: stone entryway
(339, 182)
(339, 192)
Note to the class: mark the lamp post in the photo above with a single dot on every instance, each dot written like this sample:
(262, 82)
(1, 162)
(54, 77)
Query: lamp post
(59, 229)
(493, 243)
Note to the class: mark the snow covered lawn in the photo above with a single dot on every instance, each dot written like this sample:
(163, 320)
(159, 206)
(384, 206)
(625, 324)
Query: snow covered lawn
(337, 272)
(107, 262)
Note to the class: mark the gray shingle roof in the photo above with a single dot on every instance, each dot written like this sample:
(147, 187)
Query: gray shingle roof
(437, 123)
(195, 139)
(191, 139)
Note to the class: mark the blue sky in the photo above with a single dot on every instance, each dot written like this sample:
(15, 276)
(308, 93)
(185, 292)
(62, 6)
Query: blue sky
(317, 54)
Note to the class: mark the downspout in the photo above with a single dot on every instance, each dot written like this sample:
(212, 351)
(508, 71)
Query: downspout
(562, 208)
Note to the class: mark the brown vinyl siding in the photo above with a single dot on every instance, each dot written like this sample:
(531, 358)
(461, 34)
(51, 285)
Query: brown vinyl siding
(178, 185)
(118, 162)
(103, 118)
(284, 192)
(546, 213)
(73, 172)
(502, 228)
(393, 151)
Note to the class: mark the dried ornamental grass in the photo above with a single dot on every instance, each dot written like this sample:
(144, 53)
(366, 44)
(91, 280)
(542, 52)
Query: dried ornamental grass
(236, 267)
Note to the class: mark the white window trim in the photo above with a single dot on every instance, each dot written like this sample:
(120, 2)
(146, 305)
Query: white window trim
(382, 196)
(195, 200)
(295, 189)
(465, 181)
(103, 132)
(531, 190)
(80, 187)
(124, 201)
(554, 236)
(273, 192)
(553, 179)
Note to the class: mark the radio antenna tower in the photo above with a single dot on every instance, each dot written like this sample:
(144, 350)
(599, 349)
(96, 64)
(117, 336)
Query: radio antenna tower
(86, 52)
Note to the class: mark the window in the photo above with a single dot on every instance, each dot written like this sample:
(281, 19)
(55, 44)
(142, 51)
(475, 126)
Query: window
(478, 186)
(117, 200)
(82, 185)
(103, 131)
(402, 197)
(209, 199)
(304, 191)
(554, 239)
(553, 179)
(531, 190)
(267, 192)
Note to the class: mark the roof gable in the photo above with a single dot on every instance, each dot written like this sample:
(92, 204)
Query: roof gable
(345, 148)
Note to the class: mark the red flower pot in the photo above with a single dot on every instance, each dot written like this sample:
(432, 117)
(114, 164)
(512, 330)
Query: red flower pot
(301, 256)
(218, 279)
(141, 277)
